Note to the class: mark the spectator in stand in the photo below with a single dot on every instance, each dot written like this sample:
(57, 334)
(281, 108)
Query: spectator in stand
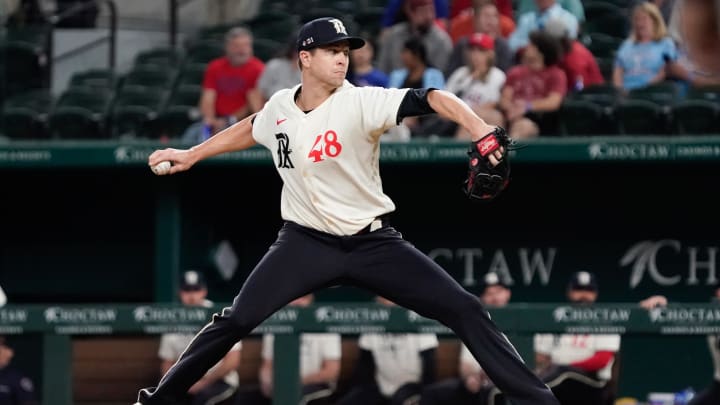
(577, 367)
(362, 71)
(417, 73)
(697, 24)
(320, 355)
(479, 83)
(392, 368)
(534, 90)
(221, 381)
(279, 73)
(711, 394)
(472, 387)
(227, 81)
(643, 58)
(575, 7)
(579, 64)
(536, 20)
(15, 387)
(460, 6)
(485, 20)
(420, 24)
(396, 12)
(473, 20)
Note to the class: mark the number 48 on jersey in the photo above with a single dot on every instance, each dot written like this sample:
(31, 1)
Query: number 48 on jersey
(325, 144)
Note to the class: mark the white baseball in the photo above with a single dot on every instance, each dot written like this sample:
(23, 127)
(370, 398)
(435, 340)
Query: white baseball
(162, 168)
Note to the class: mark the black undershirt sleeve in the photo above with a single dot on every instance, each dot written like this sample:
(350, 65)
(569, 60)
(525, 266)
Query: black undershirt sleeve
(415, 103)
(429, 366)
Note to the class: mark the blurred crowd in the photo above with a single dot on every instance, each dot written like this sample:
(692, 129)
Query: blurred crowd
(536, 67)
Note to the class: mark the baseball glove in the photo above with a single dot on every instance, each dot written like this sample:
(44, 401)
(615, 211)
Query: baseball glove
(485, 181)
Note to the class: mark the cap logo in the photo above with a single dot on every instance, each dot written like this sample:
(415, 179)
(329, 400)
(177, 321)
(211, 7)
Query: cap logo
(584, 278)
(338, 25)
(191, 278)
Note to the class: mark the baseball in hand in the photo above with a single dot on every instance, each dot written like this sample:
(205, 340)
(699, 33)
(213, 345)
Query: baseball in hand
(162, 168)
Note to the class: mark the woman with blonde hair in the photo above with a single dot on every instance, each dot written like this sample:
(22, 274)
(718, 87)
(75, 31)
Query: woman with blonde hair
(643, 58)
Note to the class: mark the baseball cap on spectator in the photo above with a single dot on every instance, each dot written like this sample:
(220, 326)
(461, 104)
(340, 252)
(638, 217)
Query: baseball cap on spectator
(492, 279)
(325, 31)
(192, 281)
(557, 28)
(482, 41)
(583, 280)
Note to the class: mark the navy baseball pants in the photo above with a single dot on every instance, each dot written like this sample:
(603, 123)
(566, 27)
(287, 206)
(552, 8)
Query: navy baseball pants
(303, 260)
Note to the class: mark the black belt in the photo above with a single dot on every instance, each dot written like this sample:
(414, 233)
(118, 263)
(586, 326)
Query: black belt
(384, 223)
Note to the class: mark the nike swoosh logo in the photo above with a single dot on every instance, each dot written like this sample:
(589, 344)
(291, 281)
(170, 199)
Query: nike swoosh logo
(278, 122)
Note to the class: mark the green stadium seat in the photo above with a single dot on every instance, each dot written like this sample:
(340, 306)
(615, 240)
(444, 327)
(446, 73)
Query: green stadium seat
(191, 73)
(266, 49)
(40, 101)
(175, 119)
(25, 66)
(204, 51)
(708, 93)
(95, 78)
(159, 57)
(369, 21)
(578, 117)
(640, 117)
(605, 94)
(602, 45)
(606, 66)
(275, 25)
(150, 76)
(696, 117)
(92, 99)
(187, 95)
(663, 93)
(21, 123)
(71, 122)
(134, 111)
(607, 18)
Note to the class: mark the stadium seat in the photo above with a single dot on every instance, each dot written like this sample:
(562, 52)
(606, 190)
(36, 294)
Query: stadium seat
(607, 18)
(204, 51)
(134, 110)
(21, 123)
(92, 99)
(605, 95)
(708, 93)
(602, 45)
(95, 78)
(150, 76)
(191, 73)
(39, 101)
(175, 119)
(640, 117)
(663, 93)
(275, 25)
(25, 66)
(696, 117)
(369, 21)
(606, 66)
(266, 49)
(71, 122)
(578, 117)
(163, 57)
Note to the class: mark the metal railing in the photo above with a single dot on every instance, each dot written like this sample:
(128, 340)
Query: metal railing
(112, 28)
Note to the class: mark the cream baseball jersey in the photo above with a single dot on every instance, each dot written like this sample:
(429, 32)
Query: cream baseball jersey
(570, 348)
(315, 348)
(397, 357)
(328, 158)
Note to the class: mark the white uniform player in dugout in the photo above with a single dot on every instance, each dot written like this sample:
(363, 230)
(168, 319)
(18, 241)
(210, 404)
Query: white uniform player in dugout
(325, 137)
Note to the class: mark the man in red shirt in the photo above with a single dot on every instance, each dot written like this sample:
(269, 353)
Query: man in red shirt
(578, 62)
(227, 81)
(534, 90)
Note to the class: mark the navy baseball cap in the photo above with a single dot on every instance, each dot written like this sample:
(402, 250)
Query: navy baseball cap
(583, 280)
(192, 281)
(492, 279)
(324, 31)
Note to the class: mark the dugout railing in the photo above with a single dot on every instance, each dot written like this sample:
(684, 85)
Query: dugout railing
(59, 323)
